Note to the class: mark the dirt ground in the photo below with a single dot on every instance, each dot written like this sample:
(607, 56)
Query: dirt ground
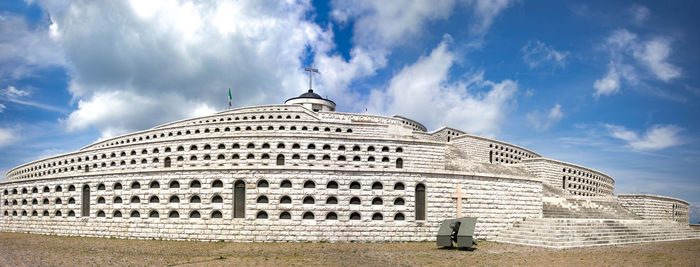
(33, 250)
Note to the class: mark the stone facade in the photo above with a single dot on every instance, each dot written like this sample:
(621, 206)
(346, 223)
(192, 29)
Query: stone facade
(284, 173)
(655, 207)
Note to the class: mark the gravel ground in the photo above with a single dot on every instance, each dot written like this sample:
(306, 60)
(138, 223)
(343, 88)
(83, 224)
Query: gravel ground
(32, 250)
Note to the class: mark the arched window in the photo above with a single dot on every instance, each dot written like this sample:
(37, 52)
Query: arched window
(135, 214)
(355, 185)
(153, 199)
(332, 200)
(399, 201)
(173, 215)
(85, 202)
(420, 202)
(217, 184)
(377, 216)
(331, 216)
(195, 199)
(195, 214)
(117, 200)
(239, 199)
(309, 200)
(135, 200)
(308, 215)
(261, 215)
(101, 200)
(117, 214)
(286, 184)
(153, 214)
(377, 201)
(174, 199)
(355, 201)
(399, 217)
(285, 200)
(377, 186)
(135, 185)
(332, 185)
(280, 160)
(355, 216)
(216, 214)
(195, 184)
(309, 184)
(101, 214)
(154, 184)
(285, 216)
(399, 186)
(217, 199)
(262, 199)
(263, 184)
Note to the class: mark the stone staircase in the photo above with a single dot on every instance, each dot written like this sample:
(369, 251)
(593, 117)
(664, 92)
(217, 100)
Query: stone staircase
(571, 221)
(585, 208)
(572, 233)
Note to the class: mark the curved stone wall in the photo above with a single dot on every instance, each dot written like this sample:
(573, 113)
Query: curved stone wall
(572, 178)
(656, 207)
(293, 204)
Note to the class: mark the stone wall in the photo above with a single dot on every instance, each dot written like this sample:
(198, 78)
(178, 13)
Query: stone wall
(496, 201)
(574, 179)
(656, 207)
(485, 150)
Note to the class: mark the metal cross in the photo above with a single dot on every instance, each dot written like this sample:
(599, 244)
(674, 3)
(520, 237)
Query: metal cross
(311, 70)
(458, 194)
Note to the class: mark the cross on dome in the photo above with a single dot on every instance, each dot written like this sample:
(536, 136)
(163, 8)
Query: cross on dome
(311, 70)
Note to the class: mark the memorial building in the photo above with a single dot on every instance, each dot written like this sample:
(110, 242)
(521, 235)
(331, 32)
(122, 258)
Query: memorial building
(300, 171)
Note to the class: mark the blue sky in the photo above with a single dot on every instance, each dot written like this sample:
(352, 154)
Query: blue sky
(612, 85)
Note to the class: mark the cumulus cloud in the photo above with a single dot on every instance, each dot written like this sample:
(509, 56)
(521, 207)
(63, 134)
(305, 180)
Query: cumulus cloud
(24, 49)
(379, 26)
(543, 121)
(536, 53)
(422, 91)
(655, 138)
(2, 107)
(7, 136)
(630, 56)
(608, 85)
(135, 64)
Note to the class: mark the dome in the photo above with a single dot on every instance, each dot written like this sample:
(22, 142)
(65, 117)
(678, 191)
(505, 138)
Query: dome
(312, 101)
(310, 94)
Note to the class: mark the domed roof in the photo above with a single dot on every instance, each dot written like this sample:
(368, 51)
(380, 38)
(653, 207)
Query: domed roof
(310, 94)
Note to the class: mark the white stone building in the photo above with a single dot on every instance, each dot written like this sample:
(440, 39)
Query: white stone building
(303, 172)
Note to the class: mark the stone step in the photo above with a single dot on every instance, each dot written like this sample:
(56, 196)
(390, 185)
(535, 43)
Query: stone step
(564, 245)
(566, 233)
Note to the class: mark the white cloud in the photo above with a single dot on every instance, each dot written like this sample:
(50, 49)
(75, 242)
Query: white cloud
(7, 136)
(625, 47)
(608, 85)
(2, 107)
(12, 92)
(18, 96)
(23, 49)
(536, 53)
(150, 62)
(422, 91)
(654, 54)
(542, 122)
(379, 26)
(655, 138)
(639, 14)
(486, 11)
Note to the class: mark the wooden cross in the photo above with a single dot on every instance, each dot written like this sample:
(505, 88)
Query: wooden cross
(458, 195)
